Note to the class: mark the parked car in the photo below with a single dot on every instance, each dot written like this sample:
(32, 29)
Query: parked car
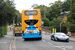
(59, 36)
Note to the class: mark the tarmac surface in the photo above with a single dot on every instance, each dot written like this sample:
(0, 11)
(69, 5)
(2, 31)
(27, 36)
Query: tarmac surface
(10, 42)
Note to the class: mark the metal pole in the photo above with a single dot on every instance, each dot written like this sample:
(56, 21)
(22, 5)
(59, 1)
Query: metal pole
(13, 23)
(60, 27)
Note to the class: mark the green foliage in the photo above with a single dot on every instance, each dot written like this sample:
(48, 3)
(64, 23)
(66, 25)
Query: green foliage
(1, 31)
(42, 8)
(54, 10)
(71, 27)
(34, 5)
(46, 21)
(51, 27)
(66, 5)
(71, 15)
(55, 22)
(63, 28)
(51, 23)
(5, 29)
(7, 12)
(73, 12)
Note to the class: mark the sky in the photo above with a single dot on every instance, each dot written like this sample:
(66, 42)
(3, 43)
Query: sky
(26, 4)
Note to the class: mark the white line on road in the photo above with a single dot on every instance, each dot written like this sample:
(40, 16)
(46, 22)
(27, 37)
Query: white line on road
(44, 40)
(61, 48)
(11, 44)
(3, 42)
(50, 43)
(14, 43)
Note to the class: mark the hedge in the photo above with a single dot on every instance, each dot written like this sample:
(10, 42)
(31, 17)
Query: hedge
(71, 27)
(63, 28)
(3, 30)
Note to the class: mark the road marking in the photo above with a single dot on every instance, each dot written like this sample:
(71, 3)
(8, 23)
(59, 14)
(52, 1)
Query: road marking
(11, 44)
(14, 43)
(3, 42)
(44, 40)
(50, 43)
(60, 47)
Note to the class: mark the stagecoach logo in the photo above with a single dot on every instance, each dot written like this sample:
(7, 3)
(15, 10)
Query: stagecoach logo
(40, 26)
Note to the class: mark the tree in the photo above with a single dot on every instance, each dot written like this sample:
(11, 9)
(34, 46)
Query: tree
(42, 8)
(71, 16)
(55, 22)
(66, 5)
(54, 10)
(7, 12)
(46, 21)
(34, 5)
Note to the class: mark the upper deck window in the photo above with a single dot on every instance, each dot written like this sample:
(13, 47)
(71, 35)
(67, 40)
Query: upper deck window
(30, 12)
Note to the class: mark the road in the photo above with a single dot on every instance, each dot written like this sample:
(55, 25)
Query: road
(17, 43)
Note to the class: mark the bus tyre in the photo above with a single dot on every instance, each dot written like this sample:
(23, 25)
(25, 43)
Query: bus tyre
(19, 34)
(40, 38)
(25, 39)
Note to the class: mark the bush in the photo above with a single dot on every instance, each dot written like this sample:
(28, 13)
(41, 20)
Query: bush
(46, 21)
(51, 23)
(51, 27)
(1, 31)
(5, 29)
(63, 29)
(55, 22)
(71, 27)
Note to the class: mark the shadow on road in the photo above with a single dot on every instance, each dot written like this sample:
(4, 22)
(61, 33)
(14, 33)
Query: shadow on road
(60, 41)
(32, 39)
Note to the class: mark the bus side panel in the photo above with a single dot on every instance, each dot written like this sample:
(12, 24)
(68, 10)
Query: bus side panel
(23, 20)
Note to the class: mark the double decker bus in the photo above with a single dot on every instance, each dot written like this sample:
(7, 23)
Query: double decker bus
(31, 23)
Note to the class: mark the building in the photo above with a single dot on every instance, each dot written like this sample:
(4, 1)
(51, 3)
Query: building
(63, 15)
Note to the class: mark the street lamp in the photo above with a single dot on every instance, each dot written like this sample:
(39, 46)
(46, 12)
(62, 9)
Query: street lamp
(60, 25)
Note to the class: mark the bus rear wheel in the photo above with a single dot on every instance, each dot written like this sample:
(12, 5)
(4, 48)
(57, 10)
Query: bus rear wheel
(40, 38)
(25, 39)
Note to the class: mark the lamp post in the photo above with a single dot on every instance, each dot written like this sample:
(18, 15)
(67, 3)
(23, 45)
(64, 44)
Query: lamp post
(60, 25)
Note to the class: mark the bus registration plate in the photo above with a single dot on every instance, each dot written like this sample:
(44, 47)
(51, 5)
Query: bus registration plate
(31, 31)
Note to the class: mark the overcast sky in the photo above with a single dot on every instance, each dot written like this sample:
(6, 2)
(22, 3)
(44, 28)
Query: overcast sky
(26, 4)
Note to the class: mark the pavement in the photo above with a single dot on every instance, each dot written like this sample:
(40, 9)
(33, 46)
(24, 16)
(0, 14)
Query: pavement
(72, 38)
(5, 41)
